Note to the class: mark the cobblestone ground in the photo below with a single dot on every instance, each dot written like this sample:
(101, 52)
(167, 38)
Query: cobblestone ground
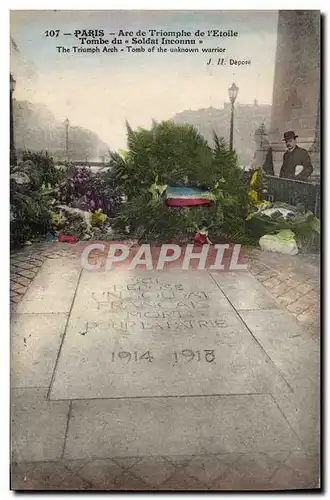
(25, 264)
(232, 471)
(294, 282)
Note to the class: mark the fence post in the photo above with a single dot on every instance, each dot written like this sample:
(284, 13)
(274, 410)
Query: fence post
(317, 200)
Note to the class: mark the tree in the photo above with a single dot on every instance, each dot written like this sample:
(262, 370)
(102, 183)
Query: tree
(260, 134)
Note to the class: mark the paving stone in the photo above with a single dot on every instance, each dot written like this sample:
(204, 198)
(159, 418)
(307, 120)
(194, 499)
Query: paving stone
(266, 275)
(36, 263)
(314, 283)
(37, 427)
(52, 255)
(252, 471)
(15, 264)
(47, 476)
(21, 290)
(14, 267)
(181, 481)
(35, 341)
(62, 480)
(208, 351)
(177, 330)
(35, 269)
(22, 477)
(305, 463)
(74, 465)
(26, 396)
(182, 425)
(302, 409)
(186, 430)
(282, 287)
(233, 480)
(209, 468)
(15, 297)
(127, 463)
(24, 265)
(227, 458)
(257, 468)
(301, 471)
(306, 287)
(21, 280)
(153, 471)
(26, 274)
(179, 460)
(254, 271)
(309, 316)
(303, 303)
(128, 482)
(257, 268)
(296, 277)
(100, 473)
(289, 297)
(15, 286)
(288, 344)
(282, 276)
(244, 291)
(53, 288)
(271, 283)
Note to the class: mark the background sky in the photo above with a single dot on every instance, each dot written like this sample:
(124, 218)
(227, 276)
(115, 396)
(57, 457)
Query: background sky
(101, 91)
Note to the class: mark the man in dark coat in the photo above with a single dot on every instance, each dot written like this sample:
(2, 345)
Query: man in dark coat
(295, 159)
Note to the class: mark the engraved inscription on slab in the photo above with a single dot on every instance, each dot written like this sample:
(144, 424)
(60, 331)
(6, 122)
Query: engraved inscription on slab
(150, 336)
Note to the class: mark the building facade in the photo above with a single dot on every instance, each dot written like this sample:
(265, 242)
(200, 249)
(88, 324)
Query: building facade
(296, 92)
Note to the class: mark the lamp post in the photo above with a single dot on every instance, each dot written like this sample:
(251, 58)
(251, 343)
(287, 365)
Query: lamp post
(13, 157)
(233, 91)
(67, 123)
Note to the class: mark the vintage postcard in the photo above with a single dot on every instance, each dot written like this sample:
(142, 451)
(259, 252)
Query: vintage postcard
(165, 210)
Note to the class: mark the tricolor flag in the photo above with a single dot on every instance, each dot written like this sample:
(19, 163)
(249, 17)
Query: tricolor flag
(187, 196)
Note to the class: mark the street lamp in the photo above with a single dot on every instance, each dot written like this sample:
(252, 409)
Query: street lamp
(233, 91)
(67, 123)
(13, 157)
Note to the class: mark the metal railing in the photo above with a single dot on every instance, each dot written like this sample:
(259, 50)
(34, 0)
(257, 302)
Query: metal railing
(293, 192)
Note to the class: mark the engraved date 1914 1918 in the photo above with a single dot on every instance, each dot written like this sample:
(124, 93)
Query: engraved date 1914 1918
(190, 355)
(131, 356)
(185, 355)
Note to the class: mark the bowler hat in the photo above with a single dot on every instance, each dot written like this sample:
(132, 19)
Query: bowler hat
(289, 135)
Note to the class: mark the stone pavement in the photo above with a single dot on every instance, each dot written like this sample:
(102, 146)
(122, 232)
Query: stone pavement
(26, 262)
(293, 280)
(173, 380)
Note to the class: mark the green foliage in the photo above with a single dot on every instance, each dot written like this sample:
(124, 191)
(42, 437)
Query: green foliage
(171, 152)
(29, 212)
(98, 218)
(33, 188)
(57, 220)
(108, 192)
(75, 225)
(155, 221)
(256, 184)
(178, 154)
(157, 190)
(44, 164)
